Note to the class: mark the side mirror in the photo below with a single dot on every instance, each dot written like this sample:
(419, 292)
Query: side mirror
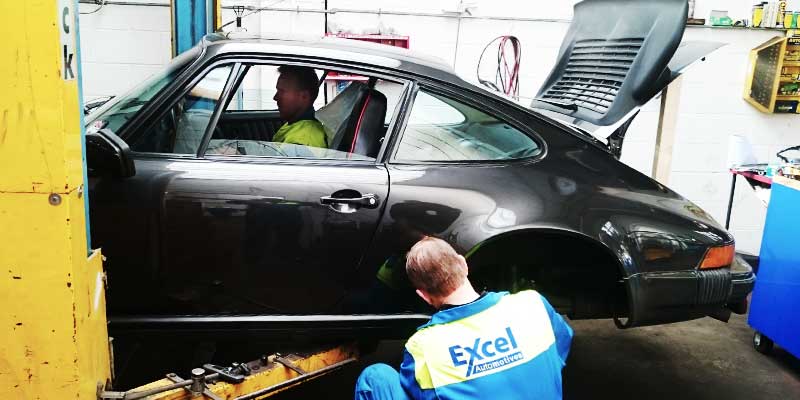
(107, 154)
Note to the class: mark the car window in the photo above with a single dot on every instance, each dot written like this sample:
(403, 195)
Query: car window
(257, 90)
(181, 129)
(434, 111)
(352, 111)
(442, 129)
(119, 111)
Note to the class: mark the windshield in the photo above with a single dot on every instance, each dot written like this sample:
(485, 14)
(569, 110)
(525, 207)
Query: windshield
(119, 111)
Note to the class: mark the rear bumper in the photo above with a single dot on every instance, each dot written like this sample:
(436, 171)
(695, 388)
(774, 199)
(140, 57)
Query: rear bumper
(664, 297)
(743, 284)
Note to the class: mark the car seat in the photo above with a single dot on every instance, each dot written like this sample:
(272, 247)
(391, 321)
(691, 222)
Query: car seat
(353, 121)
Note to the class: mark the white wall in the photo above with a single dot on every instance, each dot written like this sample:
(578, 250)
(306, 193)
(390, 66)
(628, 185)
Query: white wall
(711, 111)
(122, 44)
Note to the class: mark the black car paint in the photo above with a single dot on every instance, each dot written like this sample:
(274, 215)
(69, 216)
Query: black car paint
(224, 235)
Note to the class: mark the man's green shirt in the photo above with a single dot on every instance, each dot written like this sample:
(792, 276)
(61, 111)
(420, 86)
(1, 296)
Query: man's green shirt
(306, 131)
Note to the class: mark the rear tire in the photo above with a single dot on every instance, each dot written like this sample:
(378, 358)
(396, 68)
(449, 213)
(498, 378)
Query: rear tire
(762, 343)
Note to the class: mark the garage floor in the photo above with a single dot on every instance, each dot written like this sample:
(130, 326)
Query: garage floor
(703, 359)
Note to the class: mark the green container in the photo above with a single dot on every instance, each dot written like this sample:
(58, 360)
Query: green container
(721, 21)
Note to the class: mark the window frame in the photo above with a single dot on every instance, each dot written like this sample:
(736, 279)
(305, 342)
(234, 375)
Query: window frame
(236, 79)
(167, 104)
(481, 103)
(143, 116)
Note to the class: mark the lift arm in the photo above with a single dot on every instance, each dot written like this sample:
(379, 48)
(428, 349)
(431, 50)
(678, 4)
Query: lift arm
(252, 380)
(53, 338)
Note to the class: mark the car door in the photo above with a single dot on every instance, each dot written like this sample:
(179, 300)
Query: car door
(201, 231)
(254, 236)
(126, 215)
(266, 228)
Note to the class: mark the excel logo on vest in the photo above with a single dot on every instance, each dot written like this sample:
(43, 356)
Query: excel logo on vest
(486, 355)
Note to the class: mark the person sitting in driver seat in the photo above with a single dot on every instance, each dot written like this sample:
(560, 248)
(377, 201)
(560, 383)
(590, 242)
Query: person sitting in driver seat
(297, 88)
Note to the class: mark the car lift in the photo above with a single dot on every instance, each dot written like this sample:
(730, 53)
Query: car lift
(257, 379)
(54, 340)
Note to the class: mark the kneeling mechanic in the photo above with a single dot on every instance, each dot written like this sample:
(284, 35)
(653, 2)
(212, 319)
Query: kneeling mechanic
(492, 345)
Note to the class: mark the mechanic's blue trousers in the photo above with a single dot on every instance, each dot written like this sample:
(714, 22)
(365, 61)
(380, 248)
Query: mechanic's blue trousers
(380, 382)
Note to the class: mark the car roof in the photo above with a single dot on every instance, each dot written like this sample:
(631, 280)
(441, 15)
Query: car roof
(348, 50)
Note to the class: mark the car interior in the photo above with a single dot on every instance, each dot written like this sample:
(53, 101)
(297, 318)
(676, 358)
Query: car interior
(354, 121)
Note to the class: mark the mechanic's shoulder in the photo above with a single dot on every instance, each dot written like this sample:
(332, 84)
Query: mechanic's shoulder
(415, 345)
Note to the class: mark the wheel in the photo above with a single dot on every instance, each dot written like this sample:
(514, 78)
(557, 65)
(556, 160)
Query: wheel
(762, 343)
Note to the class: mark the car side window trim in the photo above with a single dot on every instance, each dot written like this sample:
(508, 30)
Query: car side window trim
(493, 111)
(390, 146)
(398, 120)
(227, 93)
(256, 159)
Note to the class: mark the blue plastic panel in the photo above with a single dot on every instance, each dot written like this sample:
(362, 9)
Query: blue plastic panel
(191, 21)
(775, 308)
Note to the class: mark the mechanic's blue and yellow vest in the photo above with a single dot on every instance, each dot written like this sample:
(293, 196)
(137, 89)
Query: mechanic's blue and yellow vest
(500, 346)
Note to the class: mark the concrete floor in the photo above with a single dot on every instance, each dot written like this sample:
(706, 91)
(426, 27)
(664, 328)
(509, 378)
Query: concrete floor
(702, 359)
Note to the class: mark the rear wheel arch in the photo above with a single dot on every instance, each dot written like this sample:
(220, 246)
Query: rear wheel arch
(581, 276)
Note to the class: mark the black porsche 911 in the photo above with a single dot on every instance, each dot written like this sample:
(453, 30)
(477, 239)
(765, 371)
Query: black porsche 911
(209, 225)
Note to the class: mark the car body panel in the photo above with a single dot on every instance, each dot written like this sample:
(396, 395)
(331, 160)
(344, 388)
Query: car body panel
(215, 229)
(216, 235)
(609, 65)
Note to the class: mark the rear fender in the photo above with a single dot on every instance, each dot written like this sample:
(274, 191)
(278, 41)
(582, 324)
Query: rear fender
(576, 270)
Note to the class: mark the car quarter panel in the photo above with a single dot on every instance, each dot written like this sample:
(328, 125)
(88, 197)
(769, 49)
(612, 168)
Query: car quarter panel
(555, 193)
(574, 188)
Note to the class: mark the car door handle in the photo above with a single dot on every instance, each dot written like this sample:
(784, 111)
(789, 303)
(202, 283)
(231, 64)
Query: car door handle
(366, 201)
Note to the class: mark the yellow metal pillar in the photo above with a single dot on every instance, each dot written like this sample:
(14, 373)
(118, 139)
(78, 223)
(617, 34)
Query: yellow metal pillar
(53, 337)
(217, 6)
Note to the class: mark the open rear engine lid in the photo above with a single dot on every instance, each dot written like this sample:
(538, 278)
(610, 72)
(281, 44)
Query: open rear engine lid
(616, 56)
